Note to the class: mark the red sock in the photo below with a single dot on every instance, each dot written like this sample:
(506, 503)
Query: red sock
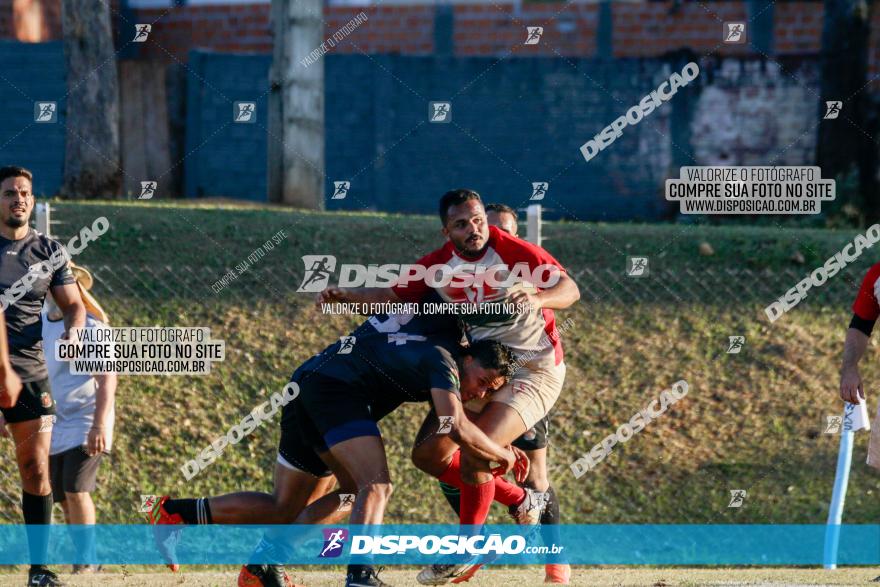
(475, 503)
(507, 493)
(452, 474)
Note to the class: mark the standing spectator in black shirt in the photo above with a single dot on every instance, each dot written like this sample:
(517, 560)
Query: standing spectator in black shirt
(31, 264)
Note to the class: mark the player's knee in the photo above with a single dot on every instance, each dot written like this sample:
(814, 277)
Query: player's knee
(77, 499)
(473, 464)
(382, 490)
(35, 470)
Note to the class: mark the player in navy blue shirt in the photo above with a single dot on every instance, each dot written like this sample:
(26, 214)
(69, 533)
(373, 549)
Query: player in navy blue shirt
(329, 430)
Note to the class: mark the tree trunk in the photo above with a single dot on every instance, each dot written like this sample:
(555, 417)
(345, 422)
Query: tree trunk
(296, 106)
(91, 157)
(844, 146)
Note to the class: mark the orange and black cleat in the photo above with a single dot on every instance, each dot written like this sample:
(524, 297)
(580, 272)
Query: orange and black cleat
(556, 573)
(264, 576)
(166, 538)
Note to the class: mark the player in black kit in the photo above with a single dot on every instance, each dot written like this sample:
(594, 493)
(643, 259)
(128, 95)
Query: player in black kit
(330, 429)
(32, 264)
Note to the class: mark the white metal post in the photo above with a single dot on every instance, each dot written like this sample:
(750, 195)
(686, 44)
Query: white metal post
(42, 217)
(533, 224)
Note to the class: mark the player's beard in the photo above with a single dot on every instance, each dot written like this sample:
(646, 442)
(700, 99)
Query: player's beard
(16, 222)
(466, 248)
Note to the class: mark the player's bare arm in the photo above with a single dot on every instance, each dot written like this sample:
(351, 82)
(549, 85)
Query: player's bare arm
(10, 384)
(850, 379)
(466, 434)
(104, 400)
(71, 305)
(560, 296)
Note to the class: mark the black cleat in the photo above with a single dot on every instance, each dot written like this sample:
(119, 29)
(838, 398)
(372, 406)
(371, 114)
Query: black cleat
(366, 577)
(43, 577)
(264, 576)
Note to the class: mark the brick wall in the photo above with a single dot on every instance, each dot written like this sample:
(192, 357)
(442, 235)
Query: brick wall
(636, 29)
(653, 28)
(235, 28)
(798, 28)
(523, 120)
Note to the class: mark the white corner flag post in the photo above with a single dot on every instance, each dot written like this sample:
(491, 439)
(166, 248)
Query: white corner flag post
(533, 224)
(855, 417)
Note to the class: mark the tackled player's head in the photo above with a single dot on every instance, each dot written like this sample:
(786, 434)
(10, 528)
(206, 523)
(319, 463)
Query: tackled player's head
(504, 217)
(484, 367)
(464, 221)
(16, 197)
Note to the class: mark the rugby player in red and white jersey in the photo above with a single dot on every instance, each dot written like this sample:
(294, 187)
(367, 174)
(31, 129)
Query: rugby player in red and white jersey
(531, 334)
(534, 443)
(866, 310)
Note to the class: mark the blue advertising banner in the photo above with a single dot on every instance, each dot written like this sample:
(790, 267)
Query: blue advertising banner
(402, 544)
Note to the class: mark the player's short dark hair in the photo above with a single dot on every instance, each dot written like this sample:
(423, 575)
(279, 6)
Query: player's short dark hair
(493, 355)
(454, 198)
(15, 171)
(502, 209)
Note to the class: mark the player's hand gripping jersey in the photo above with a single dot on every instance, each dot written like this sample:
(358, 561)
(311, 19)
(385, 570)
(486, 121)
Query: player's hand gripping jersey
(531, 334)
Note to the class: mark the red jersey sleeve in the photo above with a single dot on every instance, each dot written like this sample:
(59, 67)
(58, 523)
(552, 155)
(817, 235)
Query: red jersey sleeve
(516, 250)
(415, 290)
(866, 306)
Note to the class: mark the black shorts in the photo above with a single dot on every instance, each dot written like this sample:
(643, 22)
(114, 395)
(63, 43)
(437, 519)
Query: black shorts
(536, 437)
(35, 401)
(73, 471)
(326, 411)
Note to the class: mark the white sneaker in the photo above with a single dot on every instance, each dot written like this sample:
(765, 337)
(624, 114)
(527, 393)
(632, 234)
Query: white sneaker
(441, 574)
(528, 513)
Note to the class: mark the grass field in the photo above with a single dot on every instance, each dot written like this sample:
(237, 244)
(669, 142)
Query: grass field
(750, 421)
(492, 578)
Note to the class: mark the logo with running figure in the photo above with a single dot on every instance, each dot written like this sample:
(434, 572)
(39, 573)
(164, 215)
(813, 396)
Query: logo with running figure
(45, 112)
(446, 423)
(737, 498)
(533, 34)
(148, 190)
(346, 501)
(735, 344)
(141, 32)
(734, 32)
(833, 424)
(440, 112)
(334, 539)
(637, 266)
(244, 112)
(340, 190)
(832, 109)
(318, 268)
(46, 423)
(346, 345)
(539, 190)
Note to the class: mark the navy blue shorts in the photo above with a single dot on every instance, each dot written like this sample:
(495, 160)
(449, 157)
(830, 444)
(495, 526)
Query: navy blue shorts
(327, 411)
